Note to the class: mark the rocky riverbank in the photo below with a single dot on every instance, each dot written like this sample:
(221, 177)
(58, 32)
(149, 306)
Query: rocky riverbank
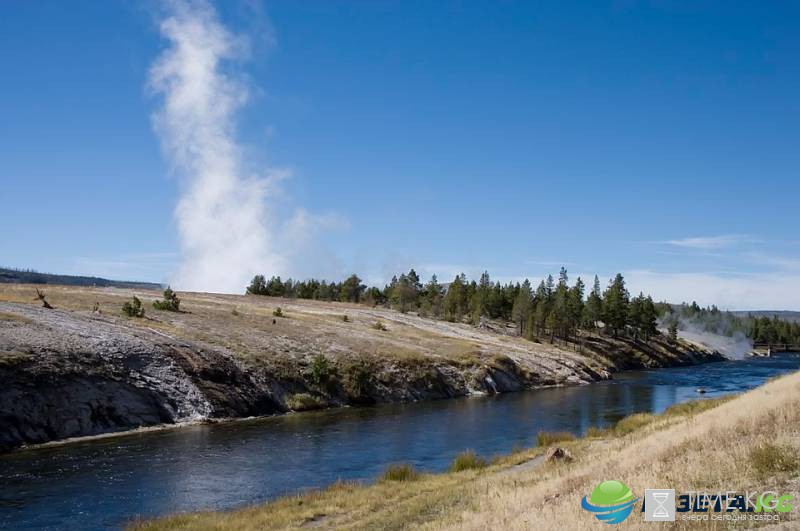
(72, 372)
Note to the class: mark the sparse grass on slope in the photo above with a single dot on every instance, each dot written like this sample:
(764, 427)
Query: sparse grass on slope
(748, 442)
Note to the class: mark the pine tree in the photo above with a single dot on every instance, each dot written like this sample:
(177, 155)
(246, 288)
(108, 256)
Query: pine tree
(496, 305)
(351, 289)
(275, 287)
(521, 311)
(542, 308)
(559, 313)
(479, 305)
(673, 332)
(649, 319)
(171, 302)
(615, 305)
(258, 286)
(454, 299)
(594, 305)
(432, 297)
(635, 314)
(575, 306)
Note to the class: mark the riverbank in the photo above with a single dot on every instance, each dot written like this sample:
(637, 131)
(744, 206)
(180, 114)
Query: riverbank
(746, 443)
(75, 371)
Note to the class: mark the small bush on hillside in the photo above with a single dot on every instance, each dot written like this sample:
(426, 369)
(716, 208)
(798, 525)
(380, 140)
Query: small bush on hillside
(171, 302)
(379, 326)
(304, 402)
(321, 370)
(277, 312)
(769, 459)
(546, 438)
(356, 378)
(467, 460)
(399, 472)
(133, 308)
(345, 318)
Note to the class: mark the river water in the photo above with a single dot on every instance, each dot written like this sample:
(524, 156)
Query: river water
(103, 483)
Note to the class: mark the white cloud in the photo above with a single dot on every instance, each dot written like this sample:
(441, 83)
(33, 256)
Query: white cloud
(757, 291)
(709, 243)
(551, 263)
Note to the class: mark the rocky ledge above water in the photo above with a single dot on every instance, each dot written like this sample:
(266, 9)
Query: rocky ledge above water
(69, 373)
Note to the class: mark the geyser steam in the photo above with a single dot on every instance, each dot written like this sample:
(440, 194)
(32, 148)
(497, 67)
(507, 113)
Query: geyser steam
(221, 214)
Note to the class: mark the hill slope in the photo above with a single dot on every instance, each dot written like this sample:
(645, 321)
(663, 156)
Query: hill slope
(71, 371)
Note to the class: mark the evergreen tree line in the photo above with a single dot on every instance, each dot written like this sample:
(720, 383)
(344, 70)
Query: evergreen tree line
(760, 329)
(554, 309)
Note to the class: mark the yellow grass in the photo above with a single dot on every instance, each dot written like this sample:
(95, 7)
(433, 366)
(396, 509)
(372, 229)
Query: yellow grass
(748, 443)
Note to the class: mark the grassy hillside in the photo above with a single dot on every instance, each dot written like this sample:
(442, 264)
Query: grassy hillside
(228, 356)
(748, 443)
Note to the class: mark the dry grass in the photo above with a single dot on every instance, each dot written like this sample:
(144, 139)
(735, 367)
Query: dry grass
(399, 472)
(545, 438)
(748, 442)
(467, 460)
(633, 423)
(5, 316)
(13, 357)
(769, 459)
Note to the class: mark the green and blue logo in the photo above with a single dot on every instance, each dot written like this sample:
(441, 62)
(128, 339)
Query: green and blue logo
(610, 501)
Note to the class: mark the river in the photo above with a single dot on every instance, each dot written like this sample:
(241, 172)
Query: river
(103, 483)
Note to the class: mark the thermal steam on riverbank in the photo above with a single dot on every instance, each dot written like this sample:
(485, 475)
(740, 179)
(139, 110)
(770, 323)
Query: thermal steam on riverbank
(736, 347)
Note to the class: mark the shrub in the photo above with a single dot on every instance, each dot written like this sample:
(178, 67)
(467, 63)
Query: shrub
(769, 459)
(321, 369)
(345, 318)
(467, 460)
(356, 378)
(399, 472)
(133, 308)
(546, 438)
(277, 312)
(304, 402)
(379, 326)
(171, 302)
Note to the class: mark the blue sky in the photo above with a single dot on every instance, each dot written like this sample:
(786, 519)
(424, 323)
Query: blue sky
(657, 139)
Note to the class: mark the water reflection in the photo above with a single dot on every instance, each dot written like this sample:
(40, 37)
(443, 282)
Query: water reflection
(105, 482)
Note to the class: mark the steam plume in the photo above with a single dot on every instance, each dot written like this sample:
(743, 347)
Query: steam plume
(221, 215)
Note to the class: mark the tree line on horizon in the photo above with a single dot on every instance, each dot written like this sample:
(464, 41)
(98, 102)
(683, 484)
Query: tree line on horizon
(554, 309)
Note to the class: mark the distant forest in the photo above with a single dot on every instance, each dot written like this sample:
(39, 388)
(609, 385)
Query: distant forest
(760, 327)
(29, 276)
(555, 309)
